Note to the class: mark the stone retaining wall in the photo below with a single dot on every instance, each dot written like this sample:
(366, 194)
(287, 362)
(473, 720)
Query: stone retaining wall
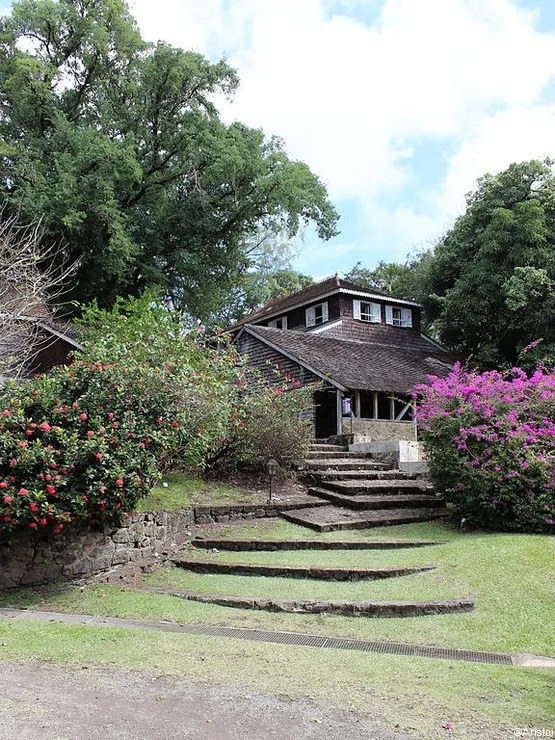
(32, 560)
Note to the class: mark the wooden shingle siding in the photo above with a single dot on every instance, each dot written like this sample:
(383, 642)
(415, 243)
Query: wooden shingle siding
(296, 319)
(265, 358)
(384, 333)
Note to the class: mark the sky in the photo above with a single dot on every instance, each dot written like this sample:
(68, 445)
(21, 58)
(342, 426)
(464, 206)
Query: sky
(397, 105)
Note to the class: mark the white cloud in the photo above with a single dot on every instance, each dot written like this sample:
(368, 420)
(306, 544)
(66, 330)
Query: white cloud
(354, 99)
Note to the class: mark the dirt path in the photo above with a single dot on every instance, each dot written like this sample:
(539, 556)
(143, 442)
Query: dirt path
(41, 701)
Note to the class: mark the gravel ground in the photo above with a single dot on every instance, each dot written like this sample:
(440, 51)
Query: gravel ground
(41, 701)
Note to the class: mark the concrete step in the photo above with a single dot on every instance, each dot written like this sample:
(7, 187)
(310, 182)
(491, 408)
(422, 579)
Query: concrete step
(343, 464)
(337, 455)
(354, 475)
(316, 447)
(368, 486)
(334, 518)
(299, 571)
(365, 503)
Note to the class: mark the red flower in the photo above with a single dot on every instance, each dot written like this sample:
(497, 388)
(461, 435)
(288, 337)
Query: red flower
(119, 482)
(45, 426)
(5, 412)
(3, 484)
(175, 425)
(58, 528)
(28, 432)
(8, 499)
(98, 456)
(51, 490)
(33, 525)
(23, 492)
(90, 433)
(34, 507)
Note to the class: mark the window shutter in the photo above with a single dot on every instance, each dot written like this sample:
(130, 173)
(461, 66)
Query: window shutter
(356, 309)
(389, 314)
(325, 314)
(406, 315)
(375, 313)
(310, 316)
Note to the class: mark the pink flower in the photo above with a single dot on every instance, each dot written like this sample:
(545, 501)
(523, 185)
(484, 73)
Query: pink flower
(98, 456)
(45, 426)
(23, 492)
(8, 499)
(51, 490)
(84, 417)
(34, 507)
(3, 484)
(90, 433)
(119, 482)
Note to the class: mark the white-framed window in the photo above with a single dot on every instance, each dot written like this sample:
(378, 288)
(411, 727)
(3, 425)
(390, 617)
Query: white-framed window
(396, 316)
(364, 311)
(317, 314)
(280, 323)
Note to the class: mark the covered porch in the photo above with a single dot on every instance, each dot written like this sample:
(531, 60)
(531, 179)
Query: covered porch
(367, 416)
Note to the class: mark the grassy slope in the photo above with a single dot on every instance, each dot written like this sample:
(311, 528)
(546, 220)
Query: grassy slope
(184, 491)
(509, 575)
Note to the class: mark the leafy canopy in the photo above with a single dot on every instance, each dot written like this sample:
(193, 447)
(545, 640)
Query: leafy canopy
(490, 286)
(118, 146)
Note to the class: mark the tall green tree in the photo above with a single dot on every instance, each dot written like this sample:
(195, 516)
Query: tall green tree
(118, 147)
(490, 286)
(255, 288)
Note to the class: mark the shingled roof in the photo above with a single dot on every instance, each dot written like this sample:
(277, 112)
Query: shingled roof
(356, 365)
(309, 294)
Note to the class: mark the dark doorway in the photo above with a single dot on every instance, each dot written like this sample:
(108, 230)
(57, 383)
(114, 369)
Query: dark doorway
(325, 407)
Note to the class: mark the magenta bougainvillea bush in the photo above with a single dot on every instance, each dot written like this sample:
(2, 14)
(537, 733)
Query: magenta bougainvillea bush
(86, 442)
(490, 441)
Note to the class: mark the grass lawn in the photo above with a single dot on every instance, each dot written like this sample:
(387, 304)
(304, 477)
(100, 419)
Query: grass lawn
(184, 491)
(509, 576)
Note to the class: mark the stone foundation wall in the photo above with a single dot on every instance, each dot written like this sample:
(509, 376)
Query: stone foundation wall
(31, 559)
(376, 430)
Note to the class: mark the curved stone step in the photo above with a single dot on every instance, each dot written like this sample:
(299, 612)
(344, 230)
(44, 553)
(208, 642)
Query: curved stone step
(237, 545)
(345, 608)
(365, 503)
(377, 474)
(386, 486)
(333, 518)
(299, 571)
(341, 464)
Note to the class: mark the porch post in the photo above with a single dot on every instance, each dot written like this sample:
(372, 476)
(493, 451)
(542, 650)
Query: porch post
(339, 398)
(375, 399)
(391, 408)
(357, 404)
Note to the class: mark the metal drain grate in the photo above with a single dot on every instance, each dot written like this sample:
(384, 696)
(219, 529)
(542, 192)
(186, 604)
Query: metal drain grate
(278, 638)
(340, 643)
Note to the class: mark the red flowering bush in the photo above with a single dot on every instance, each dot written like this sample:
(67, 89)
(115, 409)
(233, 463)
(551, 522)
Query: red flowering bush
(490, 441)
(84, 443)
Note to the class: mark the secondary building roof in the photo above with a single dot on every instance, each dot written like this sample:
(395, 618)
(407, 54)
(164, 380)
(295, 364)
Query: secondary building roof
(356, 365)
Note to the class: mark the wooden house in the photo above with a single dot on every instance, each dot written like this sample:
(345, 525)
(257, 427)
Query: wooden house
(366, 348)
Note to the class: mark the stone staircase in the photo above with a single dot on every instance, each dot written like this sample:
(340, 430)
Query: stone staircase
(362, 492)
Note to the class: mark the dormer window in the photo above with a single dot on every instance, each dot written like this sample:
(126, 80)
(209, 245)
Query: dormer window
(370, 312)
(280, 323)
(317, 314)
(398, 316)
